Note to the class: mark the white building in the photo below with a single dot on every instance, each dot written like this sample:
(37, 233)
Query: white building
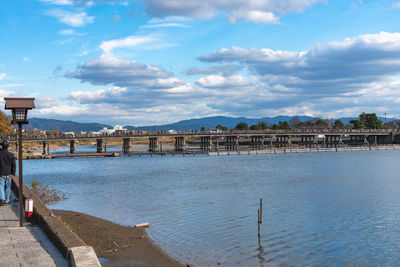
(106, 131)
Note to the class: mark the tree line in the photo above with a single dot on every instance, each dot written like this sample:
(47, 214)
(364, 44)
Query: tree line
(364, 121)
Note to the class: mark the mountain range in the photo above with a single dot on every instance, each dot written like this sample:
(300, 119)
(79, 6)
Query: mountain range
(184, 125)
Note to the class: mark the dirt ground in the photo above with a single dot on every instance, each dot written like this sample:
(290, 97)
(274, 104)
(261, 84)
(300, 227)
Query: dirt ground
(121, 245)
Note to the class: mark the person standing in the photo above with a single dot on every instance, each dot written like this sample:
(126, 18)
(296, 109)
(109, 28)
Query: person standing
(7, 171)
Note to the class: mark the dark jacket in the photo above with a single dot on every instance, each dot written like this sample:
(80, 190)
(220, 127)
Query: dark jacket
(7, 163)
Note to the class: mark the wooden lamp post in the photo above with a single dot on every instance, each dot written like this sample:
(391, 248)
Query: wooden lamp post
(19, 108)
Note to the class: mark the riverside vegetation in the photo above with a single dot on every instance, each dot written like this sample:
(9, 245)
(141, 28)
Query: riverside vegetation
(46, 193)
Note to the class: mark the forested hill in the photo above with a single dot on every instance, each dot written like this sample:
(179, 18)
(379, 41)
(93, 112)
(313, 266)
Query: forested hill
(64, 126)
(185, 125)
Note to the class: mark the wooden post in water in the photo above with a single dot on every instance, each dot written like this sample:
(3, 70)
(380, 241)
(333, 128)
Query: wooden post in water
(259, 222)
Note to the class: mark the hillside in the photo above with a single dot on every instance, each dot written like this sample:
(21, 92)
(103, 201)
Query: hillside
(64, 126)
(185, 125)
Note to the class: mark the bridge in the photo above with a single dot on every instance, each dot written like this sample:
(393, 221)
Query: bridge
(231, 140)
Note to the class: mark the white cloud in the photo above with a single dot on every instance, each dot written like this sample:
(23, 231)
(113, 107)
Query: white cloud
(128, 42)
(254, 16)
(164, 25)
(58, 2)
(260, 11)
(225, 70)
(341, 78)
(62, 111)
(2, 75)
(70, 18)
(82, 3)
(215, 81)
(70, 32)
(332, 68)
(110, 70)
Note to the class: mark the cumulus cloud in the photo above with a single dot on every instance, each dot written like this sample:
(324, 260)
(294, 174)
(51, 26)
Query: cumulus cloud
(225, 70)
(215, 81)
(262, 11)
(254, 16)
(334, 79)
(332, 68)
(70, 18)
(110, 70)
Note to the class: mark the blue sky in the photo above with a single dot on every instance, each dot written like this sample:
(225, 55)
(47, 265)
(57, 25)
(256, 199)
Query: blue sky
(154, 62)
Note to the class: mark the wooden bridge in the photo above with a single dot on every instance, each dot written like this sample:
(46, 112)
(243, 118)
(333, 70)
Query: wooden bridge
(232, 140)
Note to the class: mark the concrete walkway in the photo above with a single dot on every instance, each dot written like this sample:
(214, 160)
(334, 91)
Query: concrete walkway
(24, 246)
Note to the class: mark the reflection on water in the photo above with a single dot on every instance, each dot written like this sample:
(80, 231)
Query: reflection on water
(318, 208)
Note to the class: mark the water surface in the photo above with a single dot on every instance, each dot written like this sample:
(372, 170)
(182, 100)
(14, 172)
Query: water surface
(320, 209)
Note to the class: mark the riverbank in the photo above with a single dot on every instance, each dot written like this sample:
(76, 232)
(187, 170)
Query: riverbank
(120, 245)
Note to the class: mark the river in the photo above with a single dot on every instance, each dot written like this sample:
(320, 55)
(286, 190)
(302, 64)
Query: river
(321, 208)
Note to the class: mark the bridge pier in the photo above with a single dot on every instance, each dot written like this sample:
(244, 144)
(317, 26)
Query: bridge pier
(283, 141)
(358, 140)
(231, 142)
(99, 145)
(126, 147)
(308, 141)
(257, 142)
(333, 140)
(72, 146)
(180, 144)
(153, 144)
(46, 148)
(205, 143)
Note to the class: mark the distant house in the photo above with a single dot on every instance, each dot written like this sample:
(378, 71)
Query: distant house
(69, 134)
(172, 132)
(106, 131)
(215, 130)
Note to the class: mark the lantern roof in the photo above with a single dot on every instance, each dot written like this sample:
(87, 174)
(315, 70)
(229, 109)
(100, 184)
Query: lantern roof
(19, 102)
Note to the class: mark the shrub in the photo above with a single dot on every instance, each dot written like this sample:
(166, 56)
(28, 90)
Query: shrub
(46, 193)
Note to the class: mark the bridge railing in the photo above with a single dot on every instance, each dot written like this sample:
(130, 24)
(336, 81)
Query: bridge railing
(122, 134)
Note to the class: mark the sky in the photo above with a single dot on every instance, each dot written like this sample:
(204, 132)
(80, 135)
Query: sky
(146, 62)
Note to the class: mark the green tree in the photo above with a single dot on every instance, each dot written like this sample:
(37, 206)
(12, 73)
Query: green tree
(254, 127)
(370, 120)
(357, 124)
(203, 129)
(261, 125)
(338, 124)
(241, 126)
(275, 127)
(222, 128)
(284, 125)
(320, 123)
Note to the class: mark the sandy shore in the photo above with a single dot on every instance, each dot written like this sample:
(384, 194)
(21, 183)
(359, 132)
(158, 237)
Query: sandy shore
(121, 245)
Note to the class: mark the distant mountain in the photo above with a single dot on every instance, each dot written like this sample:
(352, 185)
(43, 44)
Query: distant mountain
(192, 124)
(64, 126)
(211, 122)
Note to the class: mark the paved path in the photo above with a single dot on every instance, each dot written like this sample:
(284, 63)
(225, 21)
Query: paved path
(24, 246)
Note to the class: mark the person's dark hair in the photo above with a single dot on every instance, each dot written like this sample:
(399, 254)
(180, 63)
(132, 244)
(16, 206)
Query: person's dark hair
(5, 144)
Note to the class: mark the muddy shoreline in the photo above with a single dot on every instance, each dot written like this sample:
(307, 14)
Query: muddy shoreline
(120, 245)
